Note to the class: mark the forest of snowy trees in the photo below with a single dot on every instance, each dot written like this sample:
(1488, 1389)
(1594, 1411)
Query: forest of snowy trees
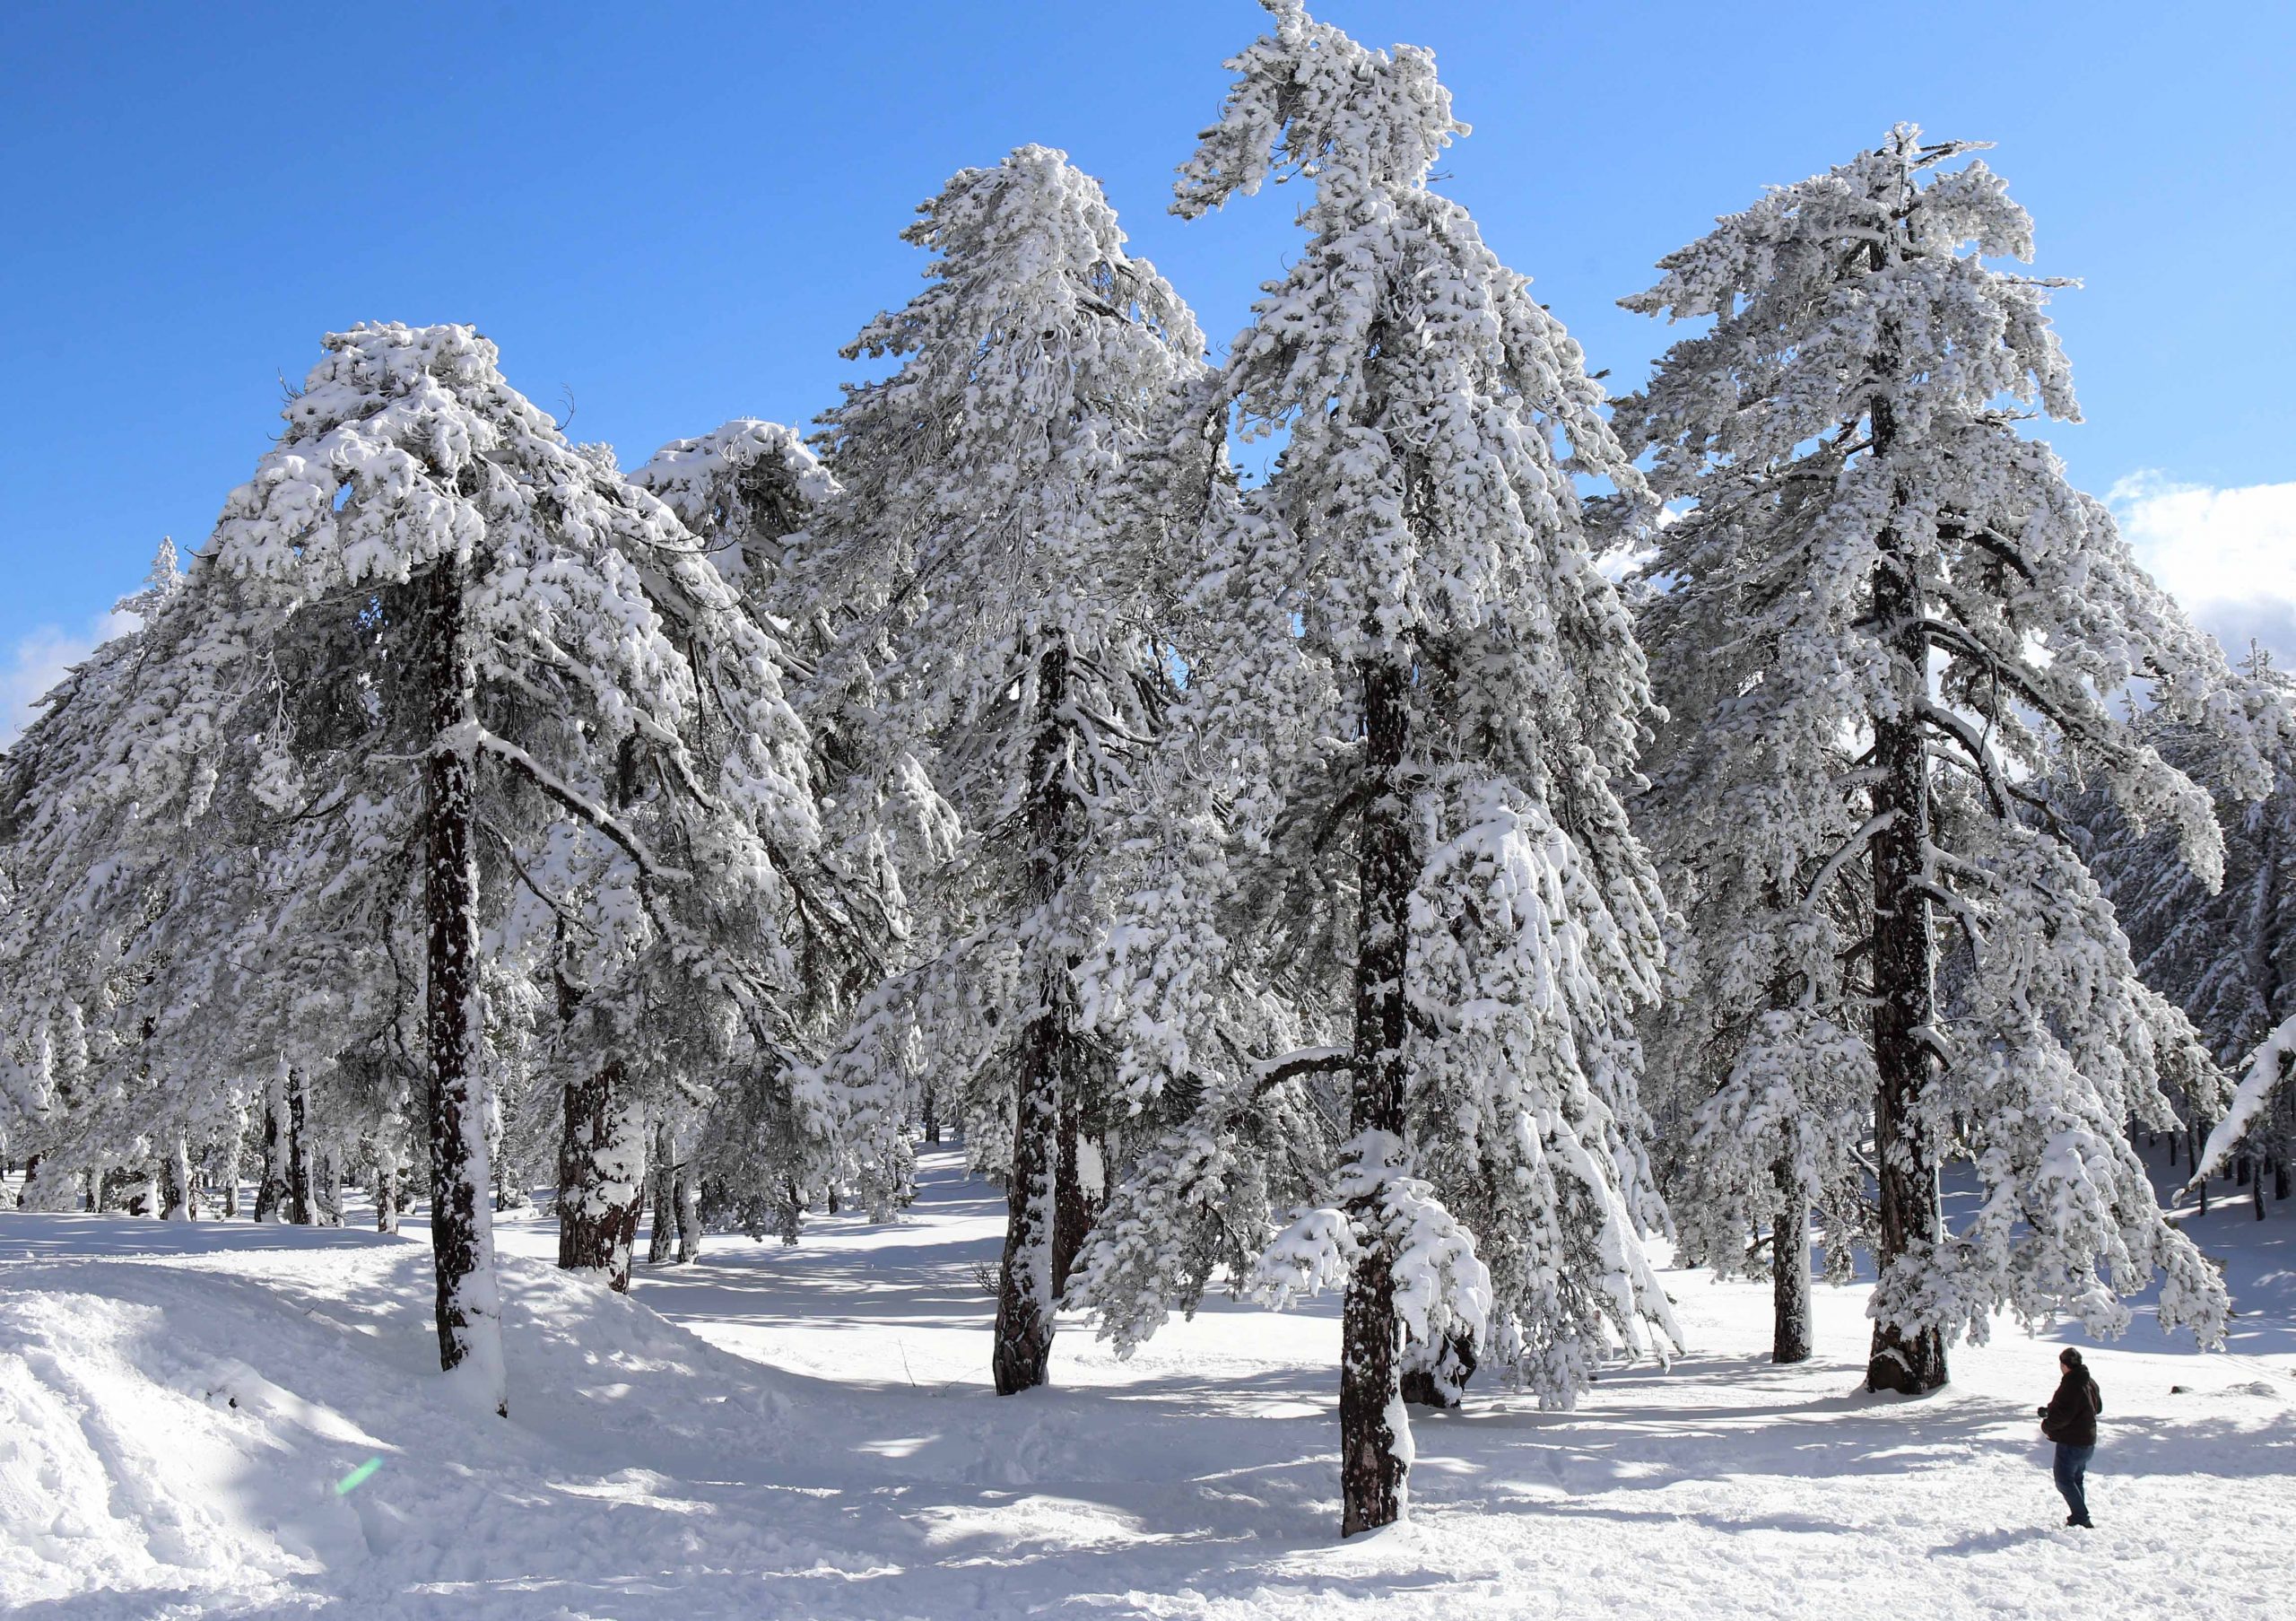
(1524, 826)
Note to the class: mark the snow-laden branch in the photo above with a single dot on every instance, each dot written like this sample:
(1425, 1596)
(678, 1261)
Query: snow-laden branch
(2267, 1068)
(1308, 1061)
(1849, 852)
(472, 734)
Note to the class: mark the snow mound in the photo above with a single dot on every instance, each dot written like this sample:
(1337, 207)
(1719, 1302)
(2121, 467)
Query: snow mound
(181, 1432)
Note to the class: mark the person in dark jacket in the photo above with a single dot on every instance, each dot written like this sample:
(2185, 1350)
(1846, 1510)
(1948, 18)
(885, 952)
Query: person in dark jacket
(2070, 1420)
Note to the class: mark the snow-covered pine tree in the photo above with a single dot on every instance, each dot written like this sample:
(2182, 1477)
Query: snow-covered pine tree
(985, 627)
(1918, 614)
(749, 490)
(1421, 701)
(1761, 1041)
(718, 977)
(2226, 956)
(429, 640)
(113, 938)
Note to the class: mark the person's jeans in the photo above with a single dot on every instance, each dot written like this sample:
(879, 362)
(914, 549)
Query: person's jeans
(2073, 1479)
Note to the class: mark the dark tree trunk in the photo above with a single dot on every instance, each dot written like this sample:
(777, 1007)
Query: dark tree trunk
(462, 1236)
(328, 1188)
(1071, 1216)
(599, 1195)
(1024, 1302)
(32, 1170)
(2280, 1177)
(271, 1189)
(688, 1194)
(1789, 1270)
(932, 1119)
(1370, 1470)
(661, 1242)
(1025, 1288)
(387, 1195)
(298, 1153)
(2199, 1136)
(1905, 959)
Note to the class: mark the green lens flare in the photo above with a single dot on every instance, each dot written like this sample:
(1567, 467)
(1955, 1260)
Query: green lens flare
(358, 1477)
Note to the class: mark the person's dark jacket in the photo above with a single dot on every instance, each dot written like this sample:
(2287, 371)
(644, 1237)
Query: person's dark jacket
(2070, 1419)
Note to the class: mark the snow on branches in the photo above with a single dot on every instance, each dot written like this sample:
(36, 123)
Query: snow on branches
(1885, 617)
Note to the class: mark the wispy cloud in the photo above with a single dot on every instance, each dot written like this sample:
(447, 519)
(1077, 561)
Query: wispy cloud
(41, 660)
(2228, 554)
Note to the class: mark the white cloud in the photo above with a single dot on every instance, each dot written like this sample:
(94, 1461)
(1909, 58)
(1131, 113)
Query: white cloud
(2229, 555)
(40, 661)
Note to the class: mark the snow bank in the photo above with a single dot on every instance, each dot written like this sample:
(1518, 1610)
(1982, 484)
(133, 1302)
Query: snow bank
(808, 1434)
(174, 1430)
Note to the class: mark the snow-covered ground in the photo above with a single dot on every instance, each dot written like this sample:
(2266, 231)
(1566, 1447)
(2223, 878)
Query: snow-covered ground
(809, 1432)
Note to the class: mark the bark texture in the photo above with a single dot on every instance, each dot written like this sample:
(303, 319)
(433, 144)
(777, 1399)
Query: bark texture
(1905, 955)
(299, 1151)
(271, 1191)
(1371, 1466)
(462, 1234)
(1045, 1059)
(661, 1242)
(1789, 1272)
(1072, 1213)
(599, 1192)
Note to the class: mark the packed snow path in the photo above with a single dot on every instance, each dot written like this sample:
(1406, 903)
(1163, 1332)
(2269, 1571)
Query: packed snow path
(809, 1433)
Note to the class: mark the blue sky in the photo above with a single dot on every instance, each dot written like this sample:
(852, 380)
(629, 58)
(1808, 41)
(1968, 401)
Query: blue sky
(674, 215)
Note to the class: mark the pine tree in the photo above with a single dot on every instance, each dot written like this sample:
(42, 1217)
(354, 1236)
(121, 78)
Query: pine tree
(111, 937)
(440, 666)
(1418, 701)
(750, 490)
(1912, 615)
(2227, 957)
(992, 634)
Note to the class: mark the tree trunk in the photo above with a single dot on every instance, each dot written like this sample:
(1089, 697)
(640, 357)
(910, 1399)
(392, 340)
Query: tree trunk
(328, 1187)
(386, 1193)
(2199, 1136)
(1024, 1301)
(689, 1203)
(32, 1170)
(601, 1178)
(1905, 958)
(1374, 1434)
(299, 1151)
(271, 1189)
(662, 1242)
(1790, 1271)
(1072, 1213)
(932, 1119)
(179, 1201)
(1025, 1287)
(462, 1225)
